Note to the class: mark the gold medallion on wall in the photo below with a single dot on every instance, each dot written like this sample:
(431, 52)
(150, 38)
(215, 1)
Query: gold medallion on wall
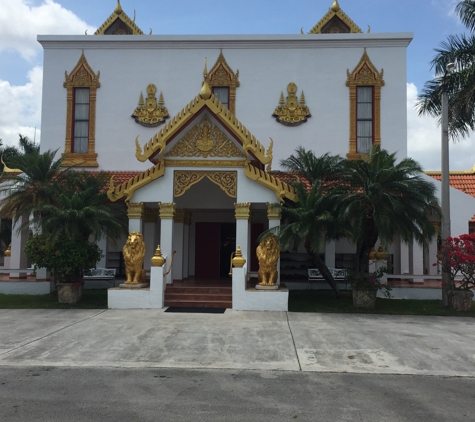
(291, 111)
(150, 113)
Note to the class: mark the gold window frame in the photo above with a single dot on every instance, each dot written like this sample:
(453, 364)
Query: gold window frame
(364, 74)
(82, 76)
(221, 75)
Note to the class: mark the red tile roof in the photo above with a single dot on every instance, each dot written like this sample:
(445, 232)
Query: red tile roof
(464, 182)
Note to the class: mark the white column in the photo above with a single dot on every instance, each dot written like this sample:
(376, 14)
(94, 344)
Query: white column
(135, 211)
(167, 212)
(186, 244)
(433, 252)
(18, 258)
(418, 262)
(102, 243)
(405, 258)
(157, 285)
(274, 215)
(330, 249)
(242, 214)
(178, 235)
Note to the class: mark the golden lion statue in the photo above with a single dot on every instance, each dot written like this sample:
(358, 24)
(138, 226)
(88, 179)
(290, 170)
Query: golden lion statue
(268, 253)
(134, 253)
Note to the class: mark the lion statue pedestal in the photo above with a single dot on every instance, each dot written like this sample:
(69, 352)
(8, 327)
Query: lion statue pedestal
(134, 253)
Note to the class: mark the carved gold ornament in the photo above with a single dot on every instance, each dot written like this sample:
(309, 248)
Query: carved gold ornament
(273, 211)
(157, 259)
(167, 210)
(203, 140)
(184, 180)
(335, 21)
(204, 163)
(268, 253)
(135, 210)
(150, 113)
(242, 211)
(364, 74)
(134, 254)
(82, 76)
(291, 112)
(118, 23)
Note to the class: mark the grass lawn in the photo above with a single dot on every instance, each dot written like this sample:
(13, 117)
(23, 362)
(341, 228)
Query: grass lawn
(325, 301)
(91, 299)
(299, 301)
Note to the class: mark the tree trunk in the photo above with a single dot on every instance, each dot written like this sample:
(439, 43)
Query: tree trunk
(322, 267)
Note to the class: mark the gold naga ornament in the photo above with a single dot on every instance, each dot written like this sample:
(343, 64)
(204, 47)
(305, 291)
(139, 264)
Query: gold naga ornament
(291, 112)
(151, 113)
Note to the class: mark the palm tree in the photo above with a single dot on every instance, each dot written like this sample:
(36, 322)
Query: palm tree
(379, 198)
(460, 85)
(81, 209)
(37, 184)
(312, 219)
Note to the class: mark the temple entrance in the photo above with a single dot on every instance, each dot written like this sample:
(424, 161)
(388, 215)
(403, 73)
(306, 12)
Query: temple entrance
(213, 247)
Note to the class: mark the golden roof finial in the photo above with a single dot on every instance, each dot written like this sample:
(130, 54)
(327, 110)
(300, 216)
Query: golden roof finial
(141, 101)
(335, 6)
(302, 99)
(160, 99)
(205, 92)
(118, 8)
(282, 100)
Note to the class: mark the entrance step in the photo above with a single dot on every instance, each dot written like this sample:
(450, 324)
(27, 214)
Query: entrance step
(190, 296)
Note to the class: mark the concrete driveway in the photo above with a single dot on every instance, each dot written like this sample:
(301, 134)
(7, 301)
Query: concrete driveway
(374, 344)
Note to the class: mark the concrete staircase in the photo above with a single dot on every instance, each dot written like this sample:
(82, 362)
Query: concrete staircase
(198, 296)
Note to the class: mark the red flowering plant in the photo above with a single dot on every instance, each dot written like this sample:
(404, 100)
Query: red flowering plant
(458, 257)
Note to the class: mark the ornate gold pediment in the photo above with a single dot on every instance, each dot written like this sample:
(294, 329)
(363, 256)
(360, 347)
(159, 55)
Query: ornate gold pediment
(150, 113)
(205, 139)
(291, 112)
(365, 74)
(335, 21)
(184, 180)
(118, 23)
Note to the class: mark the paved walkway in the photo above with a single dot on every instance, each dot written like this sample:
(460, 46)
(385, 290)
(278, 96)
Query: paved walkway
(374, 344)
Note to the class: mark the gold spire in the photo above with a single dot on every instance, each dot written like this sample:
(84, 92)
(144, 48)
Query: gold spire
(205, 92)
(118, 8)
(282, 100)
(335, 6)
(141, 102)
(160, 99)
(302, 98)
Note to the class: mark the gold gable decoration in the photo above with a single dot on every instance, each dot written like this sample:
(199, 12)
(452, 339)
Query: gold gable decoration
(184, 180)
(221, 75)
(290, 112)
(118, 23)
(82, 76)
(205, 100)
(364, 74)
(151, 113)
(335, 21)
(203, 140)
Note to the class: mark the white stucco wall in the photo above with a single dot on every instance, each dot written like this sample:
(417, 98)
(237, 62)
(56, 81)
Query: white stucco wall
(266, 63)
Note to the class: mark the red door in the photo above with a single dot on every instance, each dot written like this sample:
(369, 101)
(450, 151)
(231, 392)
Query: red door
(207, 250)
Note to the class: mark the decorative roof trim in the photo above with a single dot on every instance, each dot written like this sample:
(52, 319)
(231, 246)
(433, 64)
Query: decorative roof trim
(128, 187)
(360, 76)
(157, 144)
(118, 13)
(282, 190)
(335, 10)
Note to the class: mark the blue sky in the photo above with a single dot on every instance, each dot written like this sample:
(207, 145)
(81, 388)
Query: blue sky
(431, 21)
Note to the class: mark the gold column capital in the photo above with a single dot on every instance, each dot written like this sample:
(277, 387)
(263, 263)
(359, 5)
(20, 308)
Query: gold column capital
(135, 209)
(167, 210)
(242, 210)
(188, 215)
(273, 211)
(179, 216)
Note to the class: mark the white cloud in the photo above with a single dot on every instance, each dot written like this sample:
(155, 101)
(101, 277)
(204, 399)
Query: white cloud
(20, 23)
(21, 108)
(424, 140)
